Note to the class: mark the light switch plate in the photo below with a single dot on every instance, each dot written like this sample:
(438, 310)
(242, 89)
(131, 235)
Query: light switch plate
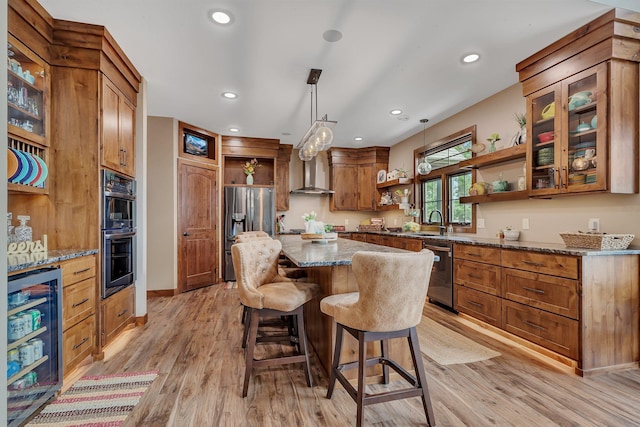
(525, 223)
(594, 224)
(480, 223)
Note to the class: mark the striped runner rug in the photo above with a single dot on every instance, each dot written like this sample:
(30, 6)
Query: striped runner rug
(96, 401)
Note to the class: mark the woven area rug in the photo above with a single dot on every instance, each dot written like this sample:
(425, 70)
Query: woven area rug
(96, 401)
(447, 347)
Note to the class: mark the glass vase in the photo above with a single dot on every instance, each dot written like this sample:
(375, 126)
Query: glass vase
(250, 179)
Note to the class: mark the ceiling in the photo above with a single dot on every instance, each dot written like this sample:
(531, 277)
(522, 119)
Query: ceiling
(402, 54)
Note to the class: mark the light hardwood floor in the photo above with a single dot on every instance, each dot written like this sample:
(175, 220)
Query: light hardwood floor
(193, 340)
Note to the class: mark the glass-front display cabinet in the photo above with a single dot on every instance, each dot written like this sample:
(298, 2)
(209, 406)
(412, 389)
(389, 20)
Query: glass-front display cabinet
(568, 128)
(27, 118)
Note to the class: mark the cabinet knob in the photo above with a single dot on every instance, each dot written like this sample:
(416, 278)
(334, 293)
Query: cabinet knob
(185, 234)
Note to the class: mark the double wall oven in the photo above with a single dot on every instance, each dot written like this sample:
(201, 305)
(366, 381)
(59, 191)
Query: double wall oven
(118, 232)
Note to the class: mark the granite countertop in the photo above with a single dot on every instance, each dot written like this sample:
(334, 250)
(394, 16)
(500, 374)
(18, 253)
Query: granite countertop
(552, 248)
(305, 253)
(20, 262)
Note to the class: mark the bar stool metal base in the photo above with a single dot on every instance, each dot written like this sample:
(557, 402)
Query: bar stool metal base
(362, 399)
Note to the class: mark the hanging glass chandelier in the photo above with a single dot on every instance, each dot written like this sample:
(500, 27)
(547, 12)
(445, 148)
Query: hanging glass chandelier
(320, 135)
(424, 167)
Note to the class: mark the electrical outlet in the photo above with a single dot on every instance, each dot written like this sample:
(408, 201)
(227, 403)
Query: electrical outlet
(525, 223)
(594, 224)
(480, 223)
(346, 222)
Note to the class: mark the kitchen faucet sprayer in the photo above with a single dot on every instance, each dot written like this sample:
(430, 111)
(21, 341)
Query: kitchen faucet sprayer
(441, 220)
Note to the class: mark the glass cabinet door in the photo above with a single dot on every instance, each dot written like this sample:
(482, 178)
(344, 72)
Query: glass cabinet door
(26, 93)
(546, 147)
(585, 131)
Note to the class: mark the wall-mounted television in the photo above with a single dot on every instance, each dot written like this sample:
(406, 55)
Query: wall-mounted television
(195, 144)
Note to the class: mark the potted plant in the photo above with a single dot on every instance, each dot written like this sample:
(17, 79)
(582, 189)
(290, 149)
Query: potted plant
(493, 138)
(521, 135)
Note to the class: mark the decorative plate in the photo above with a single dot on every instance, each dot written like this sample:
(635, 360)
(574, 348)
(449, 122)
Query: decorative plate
(382, 176)
(38, 170)
(33, 169)
(24, 167)
(478, 148)
(12, 164)
(45, 172)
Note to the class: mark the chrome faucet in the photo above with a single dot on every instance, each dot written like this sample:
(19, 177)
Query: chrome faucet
(441, 220)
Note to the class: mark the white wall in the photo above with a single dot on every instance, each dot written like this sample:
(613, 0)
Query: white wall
(162, 203)
(141, 201)
(547, 218)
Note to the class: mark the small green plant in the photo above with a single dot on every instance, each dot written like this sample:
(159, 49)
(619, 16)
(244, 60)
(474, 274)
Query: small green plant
(493, 138)
(521, 119)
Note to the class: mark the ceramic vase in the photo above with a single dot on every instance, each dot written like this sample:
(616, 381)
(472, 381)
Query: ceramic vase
(250, 179)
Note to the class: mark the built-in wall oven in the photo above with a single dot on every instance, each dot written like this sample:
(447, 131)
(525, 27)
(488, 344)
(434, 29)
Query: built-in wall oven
(118, 232)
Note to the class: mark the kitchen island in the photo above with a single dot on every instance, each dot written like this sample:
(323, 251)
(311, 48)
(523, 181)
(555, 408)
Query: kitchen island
(329, 265)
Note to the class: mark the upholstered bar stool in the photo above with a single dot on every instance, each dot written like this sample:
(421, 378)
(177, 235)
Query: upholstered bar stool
(392, 290)
(267, 294)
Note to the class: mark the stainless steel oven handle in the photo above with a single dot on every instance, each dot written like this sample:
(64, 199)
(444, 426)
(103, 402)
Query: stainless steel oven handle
(111, 236)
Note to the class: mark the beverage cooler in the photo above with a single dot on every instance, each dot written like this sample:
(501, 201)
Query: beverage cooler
(34, 348)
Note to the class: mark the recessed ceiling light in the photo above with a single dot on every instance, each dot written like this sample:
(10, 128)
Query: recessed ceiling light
(332, 36)
(395, 112)
(358, 138)
(472, 57)
(234, 130)
(220, 16)
(229, 95)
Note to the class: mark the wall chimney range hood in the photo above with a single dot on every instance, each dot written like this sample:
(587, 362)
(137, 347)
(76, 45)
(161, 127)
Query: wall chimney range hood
(309, 169)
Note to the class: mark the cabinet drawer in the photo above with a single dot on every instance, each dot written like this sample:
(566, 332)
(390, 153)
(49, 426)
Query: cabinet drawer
(409, 244)
(556, 265)
(485, 254)
(478, 276)
(78, 342)
(557, 333)
(374, 238)
(75, 270)
(555, 294)
(117, 312)
(477, 304)
(360, 237)
(78, 302)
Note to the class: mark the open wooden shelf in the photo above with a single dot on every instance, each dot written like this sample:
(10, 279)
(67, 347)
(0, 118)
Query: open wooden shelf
(496, 197)
(394, 182)
(507, 154)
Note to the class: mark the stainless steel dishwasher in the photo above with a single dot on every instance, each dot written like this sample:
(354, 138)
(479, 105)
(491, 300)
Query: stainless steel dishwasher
(441, 284)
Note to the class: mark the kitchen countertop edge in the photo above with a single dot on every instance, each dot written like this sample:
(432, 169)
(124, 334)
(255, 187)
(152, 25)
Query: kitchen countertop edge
(19, 262)
(550, 248)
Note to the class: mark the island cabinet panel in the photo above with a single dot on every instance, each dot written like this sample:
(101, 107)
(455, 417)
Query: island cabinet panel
(554, 294)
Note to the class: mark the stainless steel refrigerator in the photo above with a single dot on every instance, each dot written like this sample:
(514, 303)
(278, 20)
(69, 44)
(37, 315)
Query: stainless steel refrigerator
(246, 209)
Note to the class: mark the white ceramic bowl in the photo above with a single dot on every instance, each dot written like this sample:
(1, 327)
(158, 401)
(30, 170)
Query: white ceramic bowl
(511, 234)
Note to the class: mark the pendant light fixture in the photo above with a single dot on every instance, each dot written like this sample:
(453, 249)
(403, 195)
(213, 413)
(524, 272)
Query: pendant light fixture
(424, 167)
(319, 136)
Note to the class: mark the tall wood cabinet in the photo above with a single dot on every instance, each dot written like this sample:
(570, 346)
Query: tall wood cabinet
(282, 177)
(583, 97)
(118, 130)
(353, 177)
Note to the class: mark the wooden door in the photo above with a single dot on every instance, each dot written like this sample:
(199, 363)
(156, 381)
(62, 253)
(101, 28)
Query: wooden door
(110, 114)
(197, 218)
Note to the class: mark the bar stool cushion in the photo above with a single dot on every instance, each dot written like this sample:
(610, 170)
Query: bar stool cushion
(392, 290)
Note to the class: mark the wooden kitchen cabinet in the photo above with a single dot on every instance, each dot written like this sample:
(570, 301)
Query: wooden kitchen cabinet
(117, 312)
(282, 177)
(118, 130)
(583, 110)
(353, 176)
(476, 282)
(584, 309)
(237, 150)
(79, 296)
